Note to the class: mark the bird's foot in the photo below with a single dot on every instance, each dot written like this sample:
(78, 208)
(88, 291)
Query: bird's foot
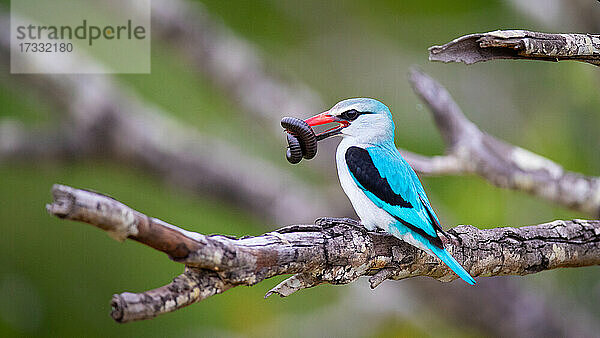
(327, 222)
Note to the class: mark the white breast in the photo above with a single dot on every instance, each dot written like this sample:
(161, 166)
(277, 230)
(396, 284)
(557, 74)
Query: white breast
(371, 216)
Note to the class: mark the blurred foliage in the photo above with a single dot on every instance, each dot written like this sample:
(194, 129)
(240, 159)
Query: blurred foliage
(56, 277)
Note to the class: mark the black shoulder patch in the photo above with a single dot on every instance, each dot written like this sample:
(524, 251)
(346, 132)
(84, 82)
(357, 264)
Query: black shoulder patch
(364, 171)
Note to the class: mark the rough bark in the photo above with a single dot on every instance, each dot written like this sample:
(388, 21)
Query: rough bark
(519, 44)
(86, 137)
(334, 251)
(472, 151)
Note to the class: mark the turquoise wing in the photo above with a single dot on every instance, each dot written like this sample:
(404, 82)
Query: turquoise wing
(392, 185)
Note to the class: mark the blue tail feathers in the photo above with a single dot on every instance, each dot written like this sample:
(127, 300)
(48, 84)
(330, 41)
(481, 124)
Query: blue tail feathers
(453, 264)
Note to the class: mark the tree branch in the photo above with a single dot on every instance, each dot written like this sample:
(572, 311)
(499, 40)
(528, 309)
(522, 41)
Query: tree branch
(333, 251)
(85, 132)
(519, 44)
(472, 151)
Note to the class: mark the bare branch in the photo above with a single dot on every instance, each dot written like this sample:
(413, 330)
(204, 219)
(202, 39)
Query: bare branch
(334, 251)
(190, 287)
(85, 136)
(519, 44)
(471, 151)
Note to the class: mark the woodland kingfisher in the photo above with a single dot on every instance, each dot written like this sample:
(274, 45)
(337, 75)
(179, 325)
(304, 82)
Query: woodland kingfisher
(382, 187)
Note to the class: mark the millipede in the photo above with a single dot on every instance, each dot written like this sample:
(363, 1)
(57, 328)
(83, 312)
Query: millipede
(294, 151)
(301, 139)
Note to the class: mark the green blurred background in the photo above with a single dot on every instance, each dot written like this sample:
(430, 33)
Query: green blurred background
(56, 277)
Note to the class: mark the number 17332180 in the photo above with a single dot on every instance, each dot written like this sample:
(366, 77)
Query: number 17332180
(46, 47)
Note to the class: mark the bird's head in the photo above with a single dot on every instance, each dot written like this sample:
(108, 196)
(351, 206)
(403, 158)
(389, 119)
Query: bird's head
(366, 120)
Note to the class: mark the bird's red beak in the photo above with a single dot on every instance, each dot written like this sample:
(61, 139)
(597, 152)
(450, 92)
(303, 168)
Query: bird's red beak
(320, 119)
(325, 118)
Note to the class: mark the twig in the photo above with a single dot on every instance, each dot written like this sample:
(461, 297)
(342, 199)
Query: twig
(519, 44)
(334, 251)
(80, 96)
(471, 151)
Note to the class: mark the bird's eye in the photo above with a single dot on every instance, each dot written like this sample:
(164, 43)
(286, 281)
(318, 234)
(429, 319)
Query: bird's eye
(350, 115)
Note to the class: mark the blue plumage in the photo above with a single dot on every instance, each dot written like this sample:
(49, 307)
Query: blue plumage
(383, 188)
(445, 257)
(404, 182)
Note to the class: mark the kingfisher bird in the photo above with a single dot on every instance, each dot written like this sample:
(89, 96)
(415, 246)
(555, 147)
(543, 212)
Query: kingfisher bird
(382, 187)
